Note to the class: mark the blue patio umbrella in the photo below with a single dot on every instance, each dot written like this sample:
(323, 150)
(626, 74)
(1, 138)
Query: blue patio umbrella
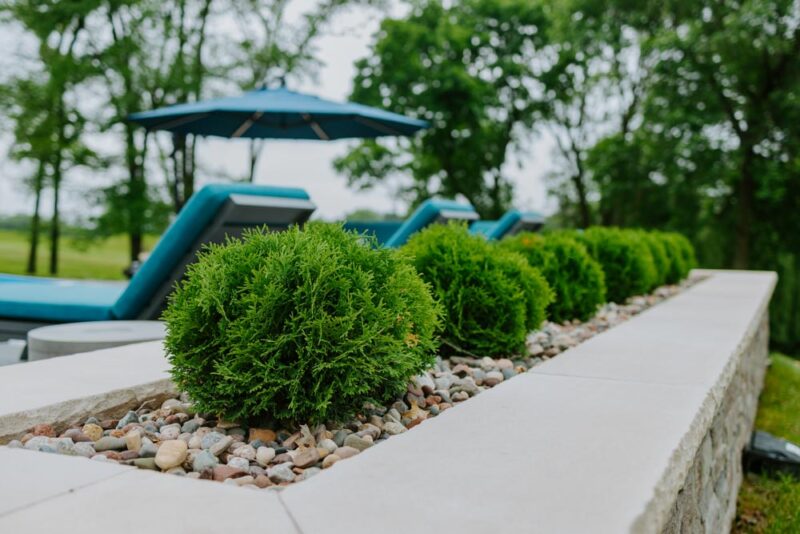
(278, 114)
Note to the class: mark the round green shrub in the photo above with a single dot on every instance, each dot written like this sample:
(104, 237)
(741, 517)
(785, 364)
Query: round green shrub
(576, 279)
(680, 254)
(301, 325)
(625, 258)
(491, 297)
(660, 257)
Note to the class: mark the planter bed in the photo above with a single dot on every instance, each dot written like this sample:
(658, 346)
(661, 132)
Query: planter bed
(265, 457)
(544, 442)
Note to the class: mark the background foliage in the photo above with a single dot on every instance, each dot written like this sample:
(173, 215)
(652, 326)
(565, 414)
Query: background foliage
(678, 116)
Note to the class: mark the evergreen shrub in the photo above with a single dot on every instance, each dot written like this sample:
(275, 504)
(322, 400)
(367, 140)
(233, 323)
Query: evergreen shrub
(626, 260)
(301, 325)
(491, 297)
(576, 279)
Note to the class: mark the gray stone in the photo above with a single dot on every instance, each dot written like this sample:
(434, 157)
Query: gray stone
(357, 442)
(130, 417)
(85, 449)
(148, 449)
(204, 460)
(108, 443)
(221, 446)
(281, 473)
(393, 428)
(210, 439)
(239, 463)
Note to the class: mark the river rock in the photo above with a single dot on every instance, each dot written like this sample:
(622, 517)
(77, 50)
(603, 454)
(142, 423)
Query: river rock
(330, 460)
(493, 378)
(358, 442)
(306, 457)
(133, 440)
(109, 443)
(264, 434)
(264, 455)
(346, 452)
(204, 460)
(171, 454)
(392, 428)
(281, 473)
(130, 417)
(239, 463)
(95, 432)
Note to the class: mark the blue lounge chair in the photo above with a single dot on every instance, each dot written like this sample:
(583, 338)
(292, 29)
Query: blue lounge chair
(511, 223)
(212, 213)
(393, 234)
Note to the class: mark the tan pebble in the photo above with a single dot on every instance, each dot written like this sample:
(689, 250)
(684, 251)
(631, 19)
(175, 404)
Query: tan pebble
(330, 460)
(346, 452)
(43, 430)
(247, 479)
(133, 440)
(171, 453)
(94, 432)
(263, 481)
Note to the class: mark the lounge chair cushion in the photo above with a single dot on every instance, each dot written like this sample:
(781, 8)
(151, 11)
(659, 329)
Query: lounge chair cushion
(508, 221)
(54, 300)
(427, 213)
(483, 228)
(181, 236)
(382, 230)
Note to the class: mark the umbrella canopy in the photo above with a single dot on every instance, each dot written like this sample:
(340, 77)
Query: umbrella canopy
(278, 114)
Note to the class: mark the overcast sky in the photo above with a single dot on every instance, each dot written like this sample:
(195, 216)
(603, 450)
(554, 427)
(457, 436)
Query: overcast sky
(305, 164)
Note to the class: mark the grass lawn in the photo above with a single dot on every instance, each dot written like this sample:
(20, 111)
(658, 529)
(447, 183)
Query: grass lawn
(104, 260)
(772, 505)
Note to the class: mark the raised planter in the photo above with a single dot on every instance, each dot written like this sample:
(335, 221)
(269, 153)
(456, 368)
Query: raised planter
(638, 429)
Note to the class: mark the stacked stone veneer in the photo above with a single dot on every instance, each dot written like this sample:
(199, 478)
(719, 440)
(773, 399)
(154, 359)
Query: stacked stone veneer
(707, 500)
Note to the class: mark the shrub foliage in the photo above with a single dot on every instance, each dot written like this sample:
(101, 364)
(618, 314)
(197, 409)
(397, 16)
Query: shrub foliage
(625, 258)
(301, 325)
(576, 279)
(491, 297)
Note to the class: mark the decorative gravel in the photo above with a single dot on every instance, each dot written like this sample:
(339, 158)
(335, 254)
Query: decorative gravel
(173, 438)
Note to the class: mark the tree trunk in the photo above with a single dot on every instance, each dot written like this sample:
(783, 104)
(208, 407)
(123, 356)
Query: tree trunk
(137, 194)
(583, 203)
(55, 231)
(35, 220)
(744, 215)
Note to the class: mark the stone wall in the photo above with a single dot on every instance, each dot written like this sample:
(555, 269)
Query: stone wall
(707, 501)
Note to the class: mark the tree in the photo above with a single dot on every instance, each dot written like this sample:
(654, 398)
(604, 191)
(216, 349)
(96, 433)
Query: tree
(593, 89)
(148, 54)
(54, 137)
(469, 68)
(712, 151)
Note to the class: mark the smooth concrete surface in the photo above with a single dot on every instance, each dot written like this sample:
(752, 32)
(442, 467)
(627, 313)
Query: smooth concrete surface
(576, 445)
(596, 440)
(60, 391)
(50, 493)
(37, 477)
(73, 338)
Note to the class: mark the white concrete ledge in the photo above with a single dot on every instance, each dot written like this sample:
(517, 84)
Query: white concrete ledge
(596, 440)
(63, 390)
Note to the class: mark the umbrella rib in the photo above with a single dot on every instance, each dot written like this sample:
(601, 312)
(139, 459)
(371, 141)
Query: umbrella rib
(377, 125)
(180, 121)
(247, 124)
(316, 127)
